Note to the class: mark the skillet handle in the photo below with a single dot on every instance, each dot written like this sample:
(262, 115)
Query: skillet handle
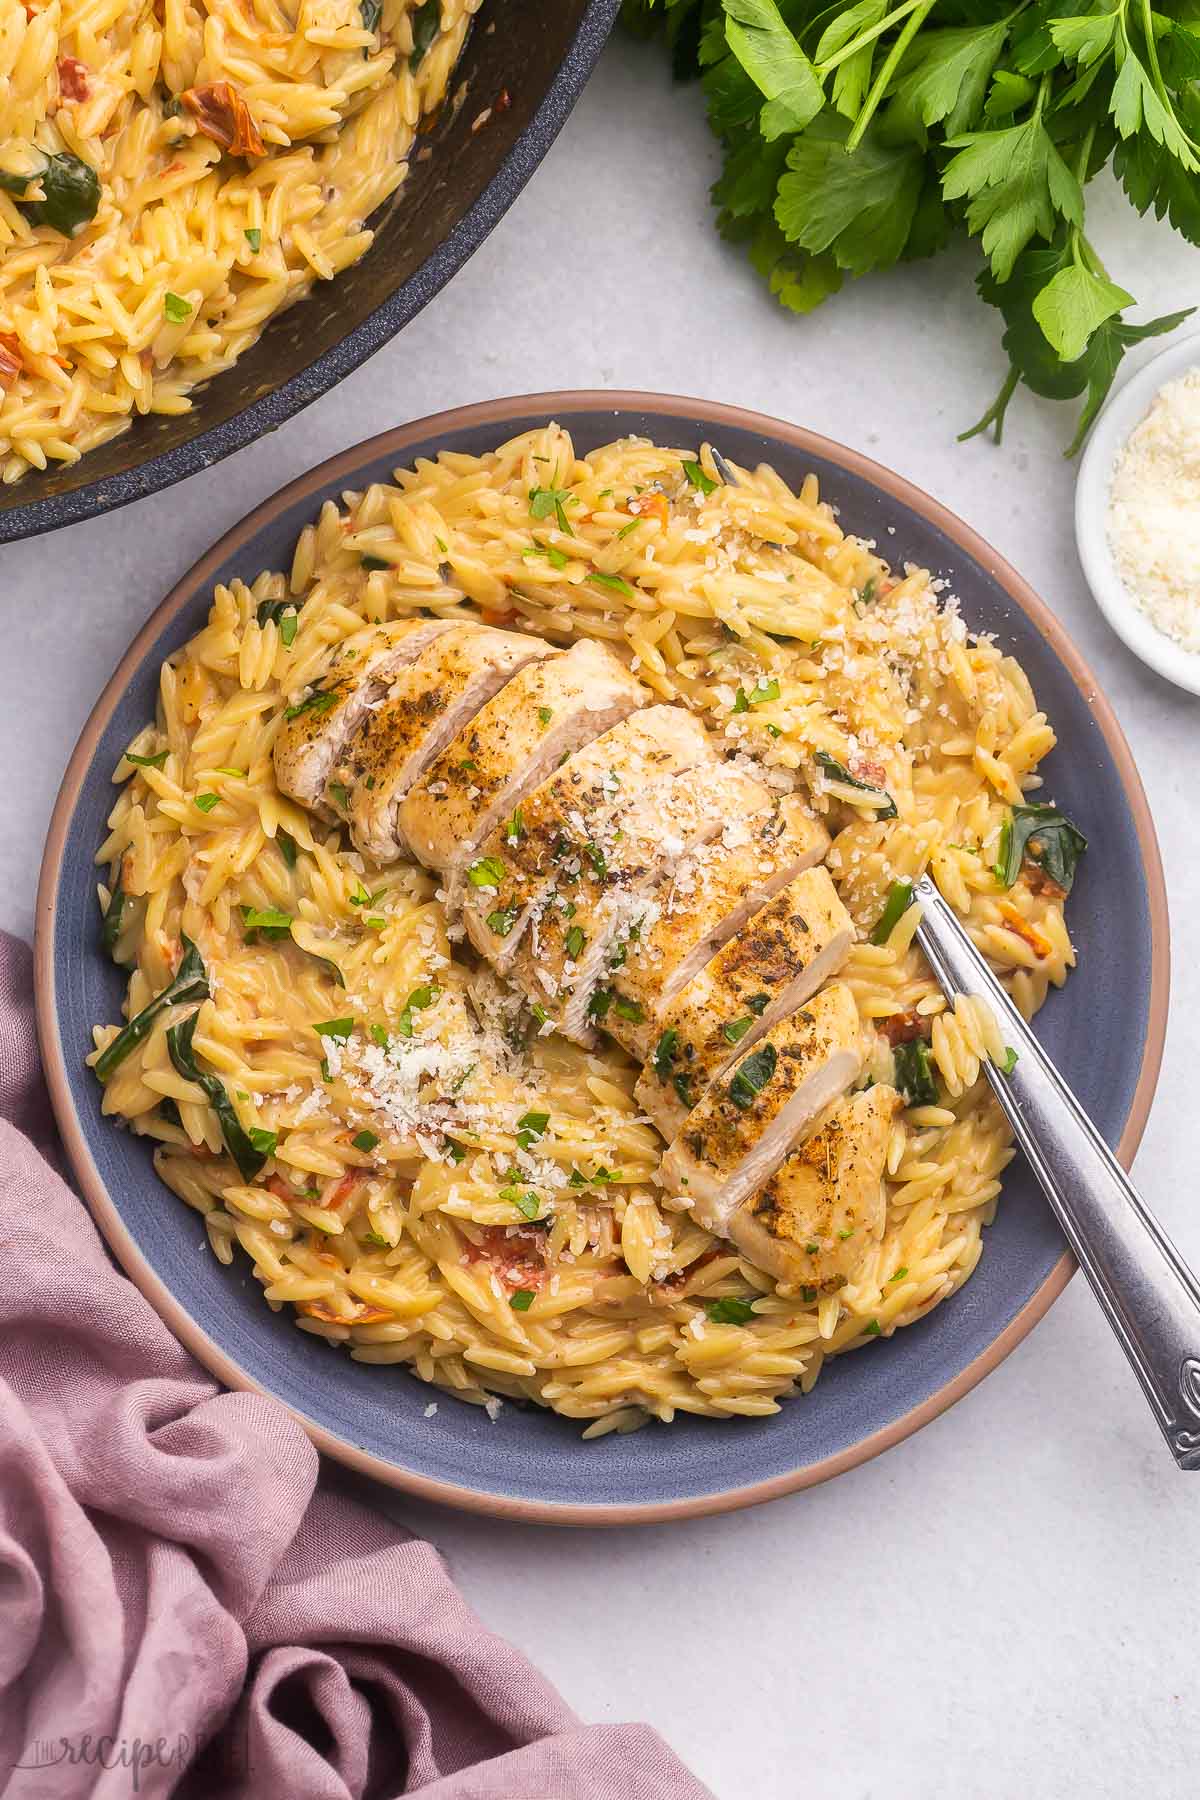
(1148, 1294)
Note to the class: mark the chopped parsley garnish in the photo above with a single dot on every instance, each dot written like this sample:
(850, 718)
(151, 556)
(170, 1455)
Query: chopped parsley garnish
(752, 1076)
(870, 587)
(545, 714)
(521, 1300)
(698, 478)
(454, 1151)
(683, 1087)
(373, 1237)
(730, 1311)
(595, 856)
(664, 1052)
(176, 308)
(443, 547)
(758, 1004)
(574, 943)
(502, 920)
(741, 702)
(539, 1012)
(872, 1327)
(899, 1275)
(364, 1140)
(269, 920)
(762, 691)
(883, 803)
(617, 582)
(147, 762)
(736, 1029)
(486, 871)
(341, 794)
(631, 1010)
(599, 1003)
(547, 502)
(319, 701)
(527, 1204)
(554, 556)
(468, 763)
(530, 1127)
(846, 1235)
(253, 237)
(337, 1029)
(898, 902)
(206, 802)
(417, 1001)
(514, 831)
(1011, 1059)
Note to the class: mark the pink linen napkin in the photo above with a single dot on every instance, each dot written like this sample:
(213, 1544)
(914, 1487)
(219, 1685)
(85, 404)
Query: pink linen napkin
(184, 1611)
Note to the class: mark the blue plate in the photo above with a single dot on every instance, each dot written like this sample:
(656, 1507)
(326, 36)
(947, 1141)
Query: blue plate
(531, 1464)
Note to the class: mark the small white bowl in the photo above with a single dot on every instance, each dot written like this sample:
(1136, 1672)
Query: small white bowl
(1124, 411)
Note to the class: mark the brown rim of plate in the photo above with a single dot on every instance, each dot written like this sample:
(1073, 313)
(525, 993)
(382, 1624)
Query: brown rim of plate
(336, 472)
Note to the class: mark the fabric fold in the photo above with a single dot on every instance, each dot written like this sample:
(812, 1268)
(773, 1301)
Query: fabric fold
(186, 1611)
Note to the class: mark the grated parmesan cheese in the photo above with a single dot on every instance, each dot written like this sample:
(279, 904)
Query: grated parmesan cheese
(1154, 512)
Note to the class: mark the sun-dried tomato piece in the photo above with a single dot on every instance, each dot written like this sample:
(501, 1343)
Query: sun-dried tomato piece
(11, 363)
(221, 114)
(905, 1027)
(74, 78)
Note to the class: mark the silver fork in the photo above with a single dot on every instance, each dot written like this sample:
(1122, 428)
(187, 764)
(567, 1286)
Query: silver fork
(1149, 1295)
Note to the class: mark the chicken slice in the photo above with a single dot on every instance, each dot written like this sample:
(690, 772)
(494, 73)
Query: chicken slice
(520, 861)
(695, 906)
(822, 1213)
(788, 950)
(563, 957)
(427, 704)
(312, 741)
(547, 711)
(742, 1127)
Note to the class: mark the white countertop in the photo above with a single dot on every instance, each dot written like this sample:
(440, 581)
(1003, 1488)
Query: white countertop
(1003, 1604)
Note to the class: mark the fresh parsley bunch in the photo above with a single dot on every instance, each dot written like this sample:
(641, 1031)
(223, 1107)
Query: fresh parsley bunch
(859, 136)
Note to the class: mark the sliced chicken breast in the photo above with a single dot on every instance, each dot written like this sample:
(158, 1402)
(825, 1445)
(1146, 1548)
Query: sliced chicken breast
(822, 1212)
(785, 952)
(427, 704)
(695, 906)
(544, 841)
(310, 743)
(547, 711)
(563, 957)
(743, 1126)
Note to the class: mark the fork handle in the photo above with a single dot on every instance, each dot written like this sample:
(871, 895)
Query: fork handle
(1150, 1296)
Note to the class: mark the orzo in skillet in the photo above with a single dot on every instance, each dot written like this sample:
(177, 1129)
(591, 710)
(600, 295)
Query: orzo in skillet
(440, 1165)
(172, 174)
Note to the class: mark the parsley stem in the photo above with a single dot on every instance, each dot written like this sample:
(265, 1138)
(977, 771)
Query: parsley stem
(879, 86)
(996, 411)
(864, 38)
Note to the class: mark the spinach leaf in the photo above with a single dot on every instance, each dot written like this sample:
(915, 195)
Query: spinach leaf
(1045, 836)
(238, 1140)
(114, 913)
(72, 195)
(190, 983)
(426, 23)
(884, 804)
(914, 1073)
(898, 902)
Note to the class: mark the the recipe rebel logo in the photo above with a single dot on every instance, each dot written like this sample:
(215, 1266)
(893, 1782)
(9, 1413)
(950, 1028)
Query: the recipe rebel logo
(221, 1757)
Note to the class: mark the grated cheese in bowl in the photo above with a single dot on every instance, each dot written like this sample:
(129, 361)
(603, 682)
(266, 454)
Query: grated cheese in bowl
(1153, 515)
